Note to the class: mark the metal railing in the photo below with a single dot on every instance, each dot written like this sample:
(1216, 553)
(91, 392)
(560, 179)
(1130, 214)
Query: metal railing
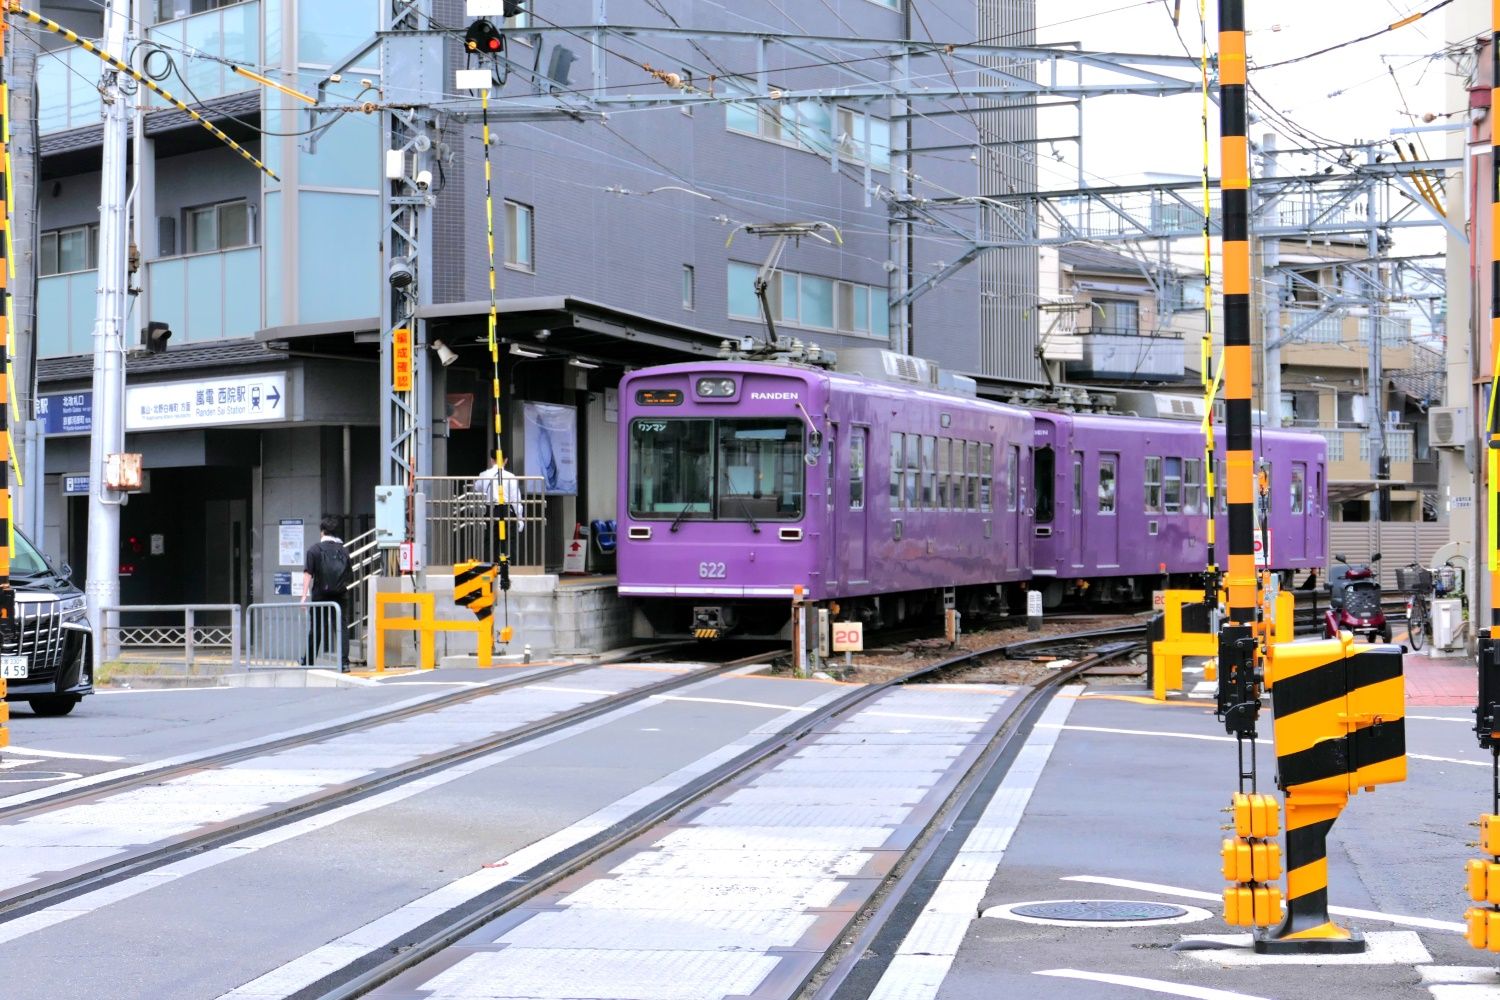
(463, 523)
(193, 637)
(291, 635)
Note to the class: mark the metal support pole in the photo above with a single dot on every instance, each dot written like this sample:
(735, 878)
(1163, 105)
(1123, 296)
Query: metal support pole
(8, 623)
(108, 435)
(1379, 463)
(1270, 262)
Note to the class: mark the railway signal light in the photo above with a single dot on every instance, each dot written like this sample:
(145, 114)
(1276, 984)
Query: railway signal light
(483, 37)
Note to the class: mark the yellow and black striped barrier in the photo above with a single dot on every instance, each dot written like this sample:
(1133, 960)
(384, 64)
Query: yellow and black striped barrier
(1340, 725)
(705, 633)
(474, 587)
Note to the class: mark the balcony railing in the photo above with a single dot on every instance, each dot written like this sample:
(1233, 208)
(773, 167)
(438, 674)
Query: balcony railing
(65, 308)
(229, 33)
(1128, 357)
(207, 296)
(67, 78)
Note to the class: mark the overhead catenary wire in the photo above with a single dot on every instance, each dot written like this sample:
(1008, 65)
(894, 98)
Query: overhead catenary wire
(1411, 19)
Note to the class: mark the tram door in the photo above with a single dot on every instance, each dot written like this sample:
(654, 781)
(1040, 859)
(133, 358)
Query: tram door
(850, 506)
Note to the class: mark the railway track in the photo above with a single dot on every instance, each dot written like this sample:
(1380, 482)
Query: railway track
(841, 974)
(124, 865)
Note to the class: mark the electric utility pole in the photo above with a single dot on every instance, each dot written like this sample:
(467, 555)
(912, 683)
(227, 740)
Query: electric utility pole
(108, 435)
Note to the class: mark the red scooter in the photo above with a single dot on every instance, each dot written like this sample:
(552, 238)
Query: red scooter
(1354, 605)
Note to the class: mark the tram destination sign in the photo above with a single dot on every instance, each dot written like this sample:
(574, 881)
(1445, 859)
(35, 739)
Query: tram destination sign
(244, 399)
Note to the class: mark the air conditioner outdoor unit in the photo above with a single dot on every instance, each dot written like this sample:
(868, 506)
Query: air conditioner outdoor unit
(1448, 426)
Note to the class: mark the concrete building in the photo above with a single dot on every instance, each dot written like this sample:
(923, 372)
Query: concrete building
(264, 410)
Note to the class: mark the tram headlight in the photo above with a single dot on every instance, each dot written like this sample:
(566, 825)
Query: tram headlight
(716, 388)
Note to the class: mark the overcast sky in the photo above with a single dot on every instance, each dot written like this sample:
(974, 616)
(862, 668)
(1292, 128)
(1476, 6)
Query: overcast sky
(1359, 92)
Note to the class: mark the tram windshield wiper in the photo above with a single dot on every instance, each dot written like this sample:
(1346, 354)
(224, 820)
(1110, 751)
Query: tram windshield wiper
(745, 506)
(677, 521)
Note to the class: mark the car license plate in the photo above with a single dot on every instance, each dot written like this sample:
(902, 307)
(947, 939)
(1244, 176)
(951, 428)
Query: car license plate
(13, 668)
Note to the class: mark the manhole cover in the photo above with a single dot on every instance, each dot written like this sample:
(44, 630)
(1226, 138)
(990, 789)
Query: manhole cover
(1091, 910)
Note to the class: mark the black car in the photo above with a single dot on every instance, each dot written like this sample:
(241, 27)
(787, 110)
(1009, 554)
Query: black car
(47, 664)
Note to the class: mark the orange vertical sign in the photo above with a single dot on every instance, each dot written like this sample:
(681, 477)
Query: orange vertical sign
(401, 360)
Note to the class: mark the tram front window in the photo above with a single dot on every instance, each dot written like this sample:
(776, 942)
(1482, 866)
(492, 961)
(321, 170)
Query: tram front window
(761, 472)
(671, 468)
(724, 470)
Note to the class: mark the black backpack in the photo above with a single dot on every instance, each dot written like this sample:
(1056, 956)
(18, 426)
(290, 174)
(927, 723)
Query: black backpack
(333, 569)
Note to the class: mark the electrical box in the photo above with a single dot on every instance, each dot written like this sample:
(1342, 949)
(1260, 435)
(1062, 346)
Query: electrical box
(390, 516)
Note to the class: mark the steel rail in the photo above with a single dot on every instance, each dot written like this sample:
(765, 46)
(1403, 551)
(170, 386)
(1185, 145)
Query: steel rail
(161, 853)
(384, 964)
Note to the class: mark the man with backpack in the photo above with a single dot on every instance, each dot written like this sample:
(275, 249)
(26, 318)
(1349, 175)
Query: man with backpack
(326, 575)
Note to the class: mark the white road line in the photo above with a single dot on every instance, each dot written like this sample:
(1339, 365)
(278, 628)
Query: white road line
(924, 718)
(58, 754)
(1153, 985)
(1152, 732)
(302, 972)
(1426, 923)
(1230, 739)
(727, 701)
(1469, 720)
(926, 953)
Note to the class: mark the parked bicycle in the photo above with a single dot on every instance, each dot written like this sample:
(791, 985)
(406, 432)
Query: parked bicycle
(1418, 581)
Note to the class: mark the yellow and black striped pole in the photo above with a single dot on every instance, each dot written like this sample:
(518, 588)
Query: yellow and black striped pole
(8, 630)
(1239, 683)
(1206, 362)
(503, 548)
(1493, 424)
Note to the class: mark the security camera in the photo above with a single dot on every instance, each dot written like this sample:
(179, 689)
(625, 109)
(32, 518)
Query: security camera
(446, 355)
(424, 180)
(400, 274)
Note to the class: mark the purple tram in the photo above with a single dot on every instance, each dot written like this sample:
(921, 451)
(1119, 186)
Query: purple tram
(745, 480)
(1122, 504)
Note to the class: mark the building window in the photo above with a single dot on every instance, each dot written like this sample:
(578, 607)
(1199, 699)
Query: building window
(816, 126)
(168, 10)
(689, 290)
(65, 251)
(520, 239)
(1116, 316)
(217, 227)
(811, 301)
(521, 20)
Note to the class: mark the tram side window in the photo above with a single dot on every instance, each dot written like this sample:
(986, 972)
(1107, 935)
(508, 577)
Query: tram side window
(857, 469)
(986, 476)
(942, 473)
(929, 472)
(1012, 477)
(895, 472)
(1043, 466)
(1220, 489)
(1153, 485)
(973, 474)
(1172, 485)
(913, 471)
(1192, 477)
(1264, 497)
(1077, 482)
(1299, 488)
(1106, 486)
